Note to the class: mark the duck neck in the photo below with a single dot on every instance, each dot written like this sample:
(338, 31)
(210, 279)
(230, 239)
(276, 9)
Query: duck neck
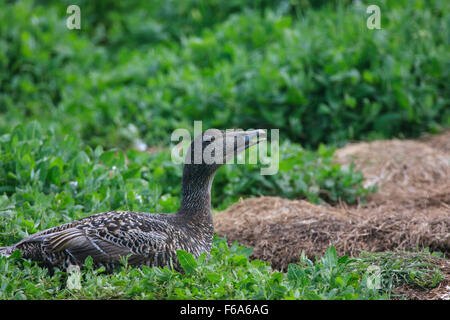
(196, 195)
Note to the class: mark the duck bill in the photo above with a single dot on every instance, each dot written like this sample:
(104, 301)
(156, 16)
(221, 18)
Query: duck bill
(245, 139)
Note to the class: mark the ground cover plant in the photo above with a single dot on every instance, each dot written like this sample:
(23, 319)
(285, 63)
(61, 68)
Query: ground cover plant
(227, 274)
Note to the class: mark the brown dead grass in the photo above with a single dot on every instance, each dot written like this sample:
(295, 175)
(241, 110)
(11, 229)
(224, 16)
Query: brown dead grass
(410, 210)
(399, 169)
(438, 141)
(280, 229)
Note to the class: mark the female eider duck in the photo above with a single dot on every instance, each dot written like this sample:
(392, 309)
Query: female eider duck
(144, 238)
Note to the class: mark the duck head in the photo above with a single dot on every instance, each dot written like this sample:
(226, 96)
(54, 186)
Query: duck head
(207, 153)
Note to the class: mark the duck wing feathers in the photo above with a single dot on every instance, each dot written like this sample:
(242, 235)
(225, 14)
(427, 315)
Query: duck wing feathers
(107, 238)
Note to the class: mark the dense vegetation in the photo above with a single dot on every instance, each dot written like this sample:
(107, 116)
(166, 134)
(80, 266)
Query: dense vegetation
(136, 71)
(80, 108)
(227, 274)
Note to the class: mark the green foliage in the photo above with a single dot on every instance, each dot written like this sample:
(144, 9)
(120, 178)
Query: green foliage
(327, 279)
(226, 274)
(47, 180)
(138, 70)
(414, 268)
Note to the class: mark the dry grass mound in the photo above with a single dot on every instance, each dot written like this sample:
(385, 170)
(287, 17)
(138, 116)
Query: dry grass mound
(280, 229)
(410, 210)
(438, 141)
(399, 169)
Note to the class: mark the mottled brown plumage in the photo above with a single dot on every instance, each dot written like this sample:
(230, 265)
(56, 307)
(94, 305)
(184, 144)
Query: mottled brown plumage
(143, 238)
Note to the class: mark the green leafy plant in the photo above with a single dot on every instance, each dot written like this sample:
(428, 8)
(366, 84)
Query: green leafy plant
(320, 78)
(226, 274)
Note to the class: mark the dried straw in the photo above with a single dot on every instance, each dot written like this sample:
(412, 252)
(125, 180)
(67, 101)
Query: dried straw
(410, 210)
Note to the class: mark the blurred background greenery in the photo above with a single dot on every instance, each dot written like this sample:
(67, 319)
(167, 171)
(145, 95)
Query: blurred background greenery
(137, 70)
